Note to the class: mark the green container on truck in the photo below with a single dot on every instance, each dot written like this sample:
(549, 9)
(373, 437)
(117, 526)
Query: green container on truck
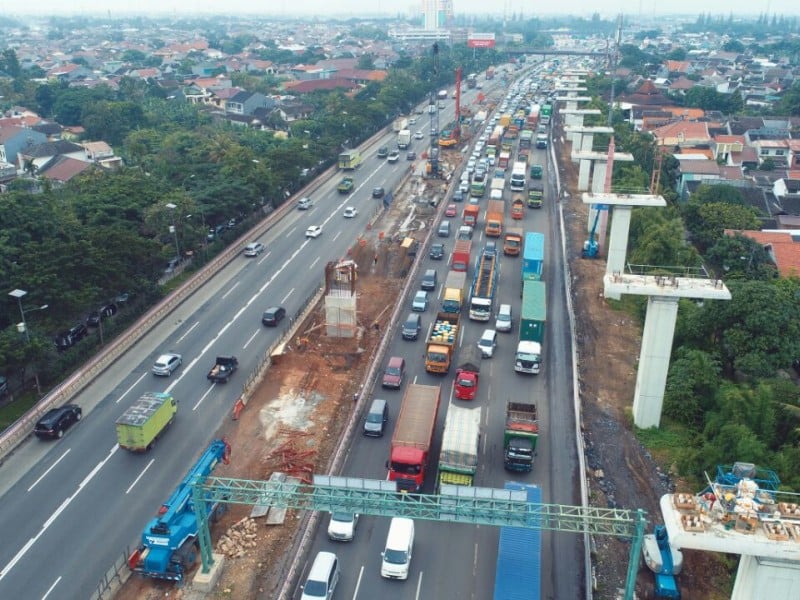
(145, 420)
(520, 436)
(534, 312)
(458, 459)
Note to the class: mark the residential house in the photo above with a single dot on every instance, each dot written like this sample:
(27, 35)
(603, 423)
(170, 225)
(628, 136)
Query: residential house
(51, 130)
(14, 139)
(291, 111)
(69, 72)
(724, 146)
(245, 103)
(306, 87)
(683, 134)
(60, 169)
(787, 188)
(102, 154)
(783, 247)
(776, 150)
(696, 170)
(35, 157)
(312, 72)
(794, 154)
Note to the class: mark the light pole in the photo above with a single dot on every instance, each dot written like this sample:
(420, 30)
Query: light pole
(23, 327)
(173, 229)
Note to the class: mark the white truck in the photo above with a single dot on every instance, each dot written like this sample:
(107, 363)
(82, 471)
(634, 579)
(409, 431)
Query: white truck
(403, 138)
(399, 124)
(496, 188)
(458, 459)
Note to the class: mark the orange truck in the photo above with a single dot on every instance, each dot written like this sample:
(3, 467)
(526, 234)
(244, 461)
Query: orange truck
(512, 242)
(517, 208)
(494, 218)
(471, 213)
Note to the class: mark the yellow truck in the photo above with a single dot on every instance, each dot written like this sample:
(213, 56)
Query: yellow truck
(349, 160)
(145, 420)
(442, 340)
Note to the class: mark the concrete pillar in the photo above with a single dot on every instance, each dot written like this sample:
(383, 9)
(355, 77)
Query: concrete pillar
(659, 329)
(587, 142)
(759, 577)
(583, 174)
(599, 176)
(618, 242)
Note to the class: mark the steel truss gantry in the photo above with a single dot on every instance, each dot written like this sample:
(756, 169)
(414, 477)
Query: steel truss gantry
(455, 504)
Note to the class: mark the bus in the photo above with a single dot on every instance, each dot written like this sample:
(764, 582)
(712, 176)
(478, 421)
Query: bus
(443, 95)
(472, 80)
(518, 173)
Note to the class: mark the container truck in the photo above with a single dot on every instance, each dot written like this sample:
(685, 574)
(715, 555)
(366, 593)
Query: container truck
(532, 119)
(525, 139)
(145, 420)
(520, 435)
(512, 242)
(494, 218)
(519, 555)
(505, 119)
(399, 124)
(517, 182)
(533, 257)
(403, 138)
(461, 252)
(504, 159)
(541, 141)
(471, 213)
(441, 342)
(458, 458)
(497, 137)
(465, 384)
(483, 287)
(454, 290)
(528, 357)
(349, 160)
(477, 188)
(413, 437)
(534, 312)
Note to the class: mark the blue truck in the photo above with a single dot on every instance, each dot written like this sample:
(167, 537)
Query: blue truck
(169, 546)
(532, 256)
(519, 556)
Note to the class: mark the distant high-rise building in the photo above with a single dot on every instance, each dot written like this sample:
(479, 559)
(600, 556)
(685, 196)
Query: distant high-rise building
(437, 14)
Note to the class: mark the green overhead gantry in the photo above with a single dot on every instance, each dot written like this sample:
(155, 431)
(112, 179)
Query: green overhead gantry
(455, 504)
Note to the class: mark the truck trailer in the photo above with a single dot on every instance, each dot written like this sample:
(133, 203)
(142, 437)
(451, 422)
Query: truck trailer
(403, 138)
(458, 459)
(441, 342)
(519, 555)
(533, 257)
(413, 437)
(349, 160)
(145, 420)
(495, 210)
(399, 124)
(461, 255)
(454, 290)
(484, 287)
(520, 436)
(534, 312)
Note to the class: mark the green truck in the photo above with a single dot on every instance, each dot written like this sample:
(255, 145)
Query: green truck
(458, 459)
(345, 185)
(536, 171)
(535, 197)
(534, 312)
(145, 420)
(520, 436)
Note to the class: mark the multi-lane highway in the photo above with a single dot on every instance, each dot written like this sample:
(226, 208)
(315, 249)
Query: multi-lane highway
(458, 561)
(70, 508)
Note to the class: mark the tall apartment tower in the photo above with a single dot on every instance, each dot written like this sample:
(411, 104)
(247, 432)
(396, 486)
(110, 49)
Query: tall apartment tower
(437, 14)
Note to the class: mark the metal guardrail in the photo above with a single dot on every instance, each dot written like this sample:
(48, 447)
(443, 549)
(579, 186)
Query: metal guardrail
(114, 578)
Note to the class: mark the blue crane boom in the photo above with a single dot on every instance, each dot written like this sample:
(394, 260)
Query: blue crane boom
(169, 546)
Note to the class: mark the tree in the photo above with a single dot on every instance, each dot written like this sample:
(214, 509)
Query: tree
(365, 61)
(733, 46)
(740, 257)
(694, 377)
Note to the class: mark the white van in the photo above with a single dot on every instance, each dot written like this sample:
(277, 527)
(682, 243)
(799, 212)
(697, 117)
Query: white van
(322, 578)
(396, 558)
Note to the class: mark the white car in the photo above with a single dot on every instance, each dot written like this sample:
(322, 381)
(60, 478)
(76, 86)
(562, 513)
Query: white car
(166, 364)
(342, 526)
(350, 212)
(253, 249)
(418, 135)
(304, 204)
(420, 302)
(314, 231)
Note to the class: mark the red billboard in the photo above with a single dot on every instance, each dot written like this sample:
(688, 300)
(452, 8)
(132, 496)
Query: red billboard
(480, 40)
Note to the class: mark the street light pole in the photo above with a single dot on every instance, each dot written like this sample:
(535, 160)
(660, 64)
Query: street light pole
(173, 229)
(19, 294)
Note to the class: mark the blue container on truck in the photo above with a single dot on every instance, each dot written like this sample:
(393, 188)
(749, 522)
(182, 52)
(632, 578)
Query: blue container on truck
(533, 256)
(534, 312)
(519, 556)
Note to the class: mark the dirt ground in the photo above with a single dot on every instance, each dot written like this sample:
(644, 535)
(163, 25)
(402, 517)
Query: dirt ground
(299, 411)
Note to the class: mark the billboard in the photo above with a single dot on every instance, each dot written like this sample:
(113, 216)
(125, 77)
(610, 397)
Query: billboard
(480, 40)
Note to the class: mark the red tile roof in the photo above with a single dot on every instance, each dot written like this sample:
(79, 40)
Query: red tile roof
(65, 169)
(312, 85)
(782, 247)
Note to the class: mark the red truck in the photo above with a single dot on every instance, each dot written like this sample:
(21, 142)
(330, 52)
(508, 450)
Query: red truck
(467, 374)
(413, 437)
(471, 214)
(461, 252)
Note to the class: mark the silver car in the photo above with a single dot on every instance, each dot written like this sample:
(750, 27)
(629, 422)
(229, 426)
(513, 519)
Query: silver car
(166, 364)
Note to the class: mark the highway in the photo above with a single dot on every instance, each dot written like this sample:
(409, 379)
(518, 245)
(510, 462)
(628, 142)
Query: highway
(69, 508)
(458, 561)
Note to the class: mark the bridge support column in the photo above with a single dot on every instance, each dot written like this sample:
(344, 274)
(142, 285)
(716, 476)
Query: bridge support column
(618, 243)
(599, 176)
(586, 142)
(583, 174)
(659, 329)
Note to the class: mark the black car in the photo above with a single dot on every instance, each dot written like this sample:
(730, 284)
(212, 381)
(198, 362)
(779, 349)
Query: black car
(3, 386)
(272, 316)
(383, 152)
(458, 196)
(57, 420)
(378, 192)
(107, 310)
(437, 252)
(67, 339)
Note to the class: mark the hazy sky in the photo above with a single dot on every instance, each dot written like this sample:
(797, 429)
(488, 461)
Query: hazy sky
(359, 7)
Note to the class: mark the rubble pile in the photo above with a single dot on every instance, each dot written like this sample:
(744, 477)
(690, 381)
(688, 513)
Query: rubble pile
(238, 539)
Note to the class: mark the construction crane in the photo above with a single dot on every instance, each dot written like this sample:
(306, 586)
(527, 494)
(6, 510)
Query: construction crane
(432, 168)
(591, 246)
(451, 133)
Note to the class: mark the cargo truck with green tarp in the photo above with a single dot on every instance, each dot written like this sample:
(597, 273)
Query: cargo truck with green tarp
(458, 459)
(534, 312)
(145, 420)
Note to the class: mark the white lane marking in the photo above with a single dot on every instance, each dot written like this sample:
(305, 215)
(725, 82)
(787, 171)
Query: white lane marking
(475, 561)
(286, 297)
(180, 339)
(290, 233)
(203, 397)
(7, 569)
(316, 260)
(53, 466)
(252, 337)
(135, 481)
(133, 385)
(358, 582)
(263, 258)
(225, 295)
(51, 588)
(338, 233)
(419, 586)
